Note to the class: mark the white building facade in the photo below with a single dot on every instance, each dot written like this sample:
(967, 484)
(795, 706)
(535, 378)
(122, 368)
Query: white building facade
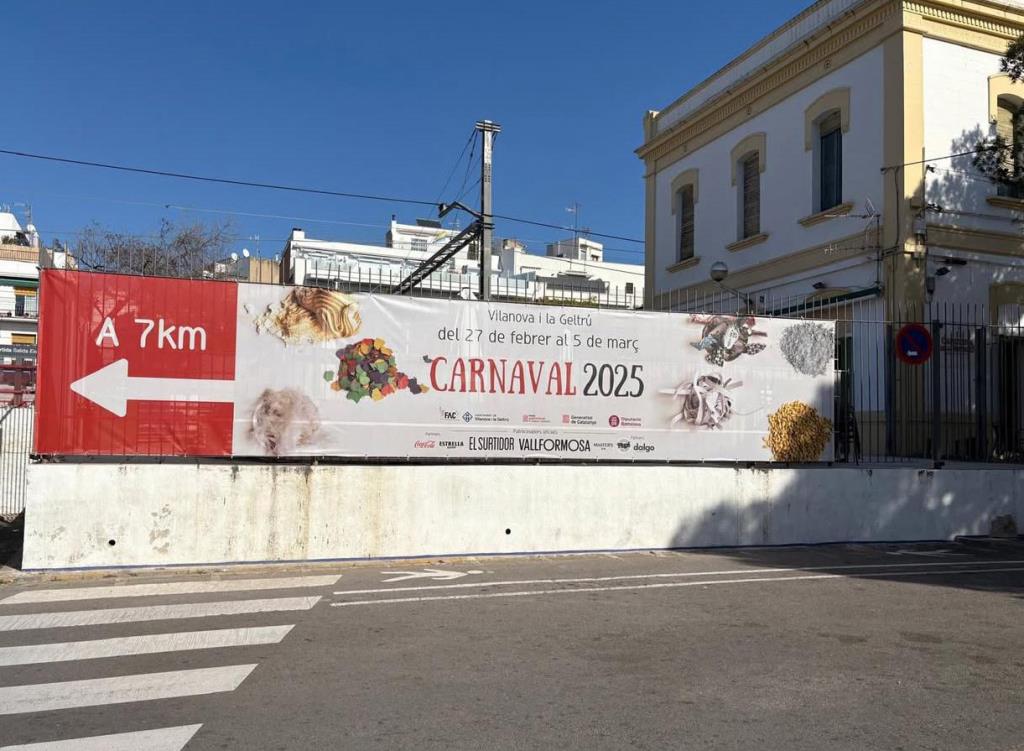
(831, 166)
(516, 275)
(823, 130)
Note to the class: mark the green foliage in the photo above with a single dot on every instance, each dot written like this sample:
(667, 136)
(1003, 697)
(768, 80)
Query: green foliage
(1013, 61)
(995, 159)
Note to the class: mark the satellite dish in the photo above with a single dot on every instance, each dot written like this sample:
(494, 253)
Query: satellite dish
(234, 256)
(245, 252)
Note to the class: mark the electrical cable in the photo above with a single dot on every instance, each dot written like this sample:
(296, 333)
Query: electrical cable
(293, 188)
(565, 229)
(440, 193)
(469, 166)
(220, 180)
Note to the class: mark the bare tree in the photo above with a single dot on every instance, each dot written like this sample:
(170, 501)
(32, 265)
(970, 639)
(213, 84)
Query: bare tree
(176, 250)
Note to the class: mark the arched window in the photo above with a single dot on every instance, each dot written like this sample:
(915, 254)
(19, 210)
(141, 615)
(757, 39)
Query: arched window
(830, 161)
(684, 206)
(1010, 130)
(750, 197)
(826, 120)
(748, 162)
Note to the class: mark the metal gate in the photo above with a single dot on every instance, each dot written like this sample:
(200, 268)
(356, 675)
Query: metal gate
(16, 432)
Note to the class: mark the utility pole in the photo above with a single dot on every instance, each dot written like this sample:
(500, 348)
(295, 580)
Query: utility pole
(487, 130)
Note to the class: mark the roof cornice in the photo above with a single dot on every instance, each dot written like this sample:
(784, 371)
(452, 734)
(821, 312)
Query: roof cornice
(988, 17)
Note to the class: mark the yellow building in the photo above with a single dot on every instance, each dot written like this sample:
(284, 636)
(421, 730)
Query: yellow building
(833, 162)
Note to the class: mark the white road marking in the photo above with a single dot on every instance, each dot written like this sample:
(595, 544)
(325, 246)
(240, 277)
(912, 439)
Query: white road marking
(43, 697)
(160, 739)
(662, 585)
(676, 575)
(927, 553)
(142, 645)
(427, 573)
(168, 588)
(152, 613)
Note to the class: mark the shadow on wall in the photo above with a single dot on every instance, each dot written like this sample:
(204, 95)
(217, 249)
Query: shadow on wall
(814, 505)
(955, 184)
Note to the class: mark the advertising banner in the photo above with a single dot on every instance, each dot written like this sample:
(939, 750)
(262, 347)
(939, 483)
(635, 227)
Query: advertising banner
(157, 367)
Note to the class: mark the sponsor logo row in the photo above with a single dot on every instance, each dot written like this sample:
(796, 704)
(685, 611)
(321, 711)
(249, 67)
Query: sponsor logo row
(534, 445)
(614, 421)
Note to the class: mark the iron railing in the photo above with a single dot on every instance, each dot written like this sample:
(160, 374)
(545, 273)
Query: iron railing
(965, 402)
(16, 435)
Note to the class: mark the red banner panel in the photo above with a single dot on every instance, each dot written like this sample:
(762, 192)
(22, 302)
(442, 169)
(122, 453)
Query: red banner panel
(120, 359)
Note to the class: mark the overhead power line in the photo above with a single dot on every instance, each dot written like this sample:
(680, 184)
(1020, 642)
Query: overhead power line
(220, 180)
(566, 229)
(288, 188)
(472, 136)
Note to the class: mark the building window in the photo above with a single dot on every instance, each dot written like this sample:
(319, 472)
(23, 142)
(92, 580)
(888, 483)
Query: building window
(830, 134)
(418, 244)
(826, 121)
(685, 211)
(1009, 124)
(750, 206)
(26, 302)
(629, 288)
(23, 338)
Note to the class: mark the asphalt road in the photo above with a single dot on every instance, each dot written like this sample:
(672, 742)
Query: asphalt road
(800, 648)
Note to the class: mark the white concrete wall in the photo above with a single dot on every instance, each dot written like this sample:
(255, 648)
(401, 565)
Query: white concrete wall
(955, 120)
(786, 184)
(956, 117)
(177, 514)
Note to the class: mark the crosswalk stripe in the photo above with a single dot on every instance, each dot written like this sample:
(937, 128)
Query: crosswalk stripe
(43, 697)
(168, 588)
(142, 645)
(152, 613)
(160, 739)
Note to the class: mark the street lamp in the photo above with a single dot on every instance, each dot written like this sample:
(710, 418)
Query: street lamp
(718, 273)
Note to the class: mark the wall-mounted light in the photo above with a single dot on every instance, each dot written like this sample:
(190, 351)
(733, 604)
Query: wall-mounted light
(820, 285)
(942, 271)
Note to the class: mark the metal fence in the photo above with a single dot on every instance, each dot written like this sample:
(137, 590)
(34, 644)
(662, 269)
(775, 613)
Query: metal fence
(963, 402)
(16, 433)
(937, 382)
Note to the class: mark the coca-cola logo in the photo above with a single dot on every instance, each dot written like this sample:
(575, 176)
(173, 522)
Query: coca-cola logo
(425, 444)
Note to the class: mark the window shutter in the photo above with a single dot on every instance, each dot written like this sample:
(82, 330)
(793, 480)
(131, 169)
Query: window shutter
(831, 157)
(686, 222)
(1008, 129)
(751, 195)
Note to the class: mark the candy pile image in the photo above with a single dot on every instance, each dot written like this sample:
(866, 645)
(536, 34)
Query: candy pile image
(367, 369)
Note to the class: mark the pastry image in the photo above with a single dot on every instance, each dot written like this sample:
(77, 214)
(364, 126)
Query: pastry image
(311, 315)
(704, 401)
(282, 420)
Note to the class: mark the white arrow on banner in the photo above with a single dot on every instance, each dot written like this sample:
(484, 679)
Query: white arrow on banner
(111, 387)
(427, 573)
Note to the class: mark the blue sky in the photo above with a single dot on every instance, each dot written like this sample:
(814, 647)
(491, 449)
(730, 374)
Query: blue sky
(363, 97)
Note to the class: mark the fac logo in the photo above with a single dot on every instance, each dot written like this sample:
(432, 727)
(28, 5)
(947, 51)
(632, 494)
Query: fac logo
(613, 421)
(449, 415)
